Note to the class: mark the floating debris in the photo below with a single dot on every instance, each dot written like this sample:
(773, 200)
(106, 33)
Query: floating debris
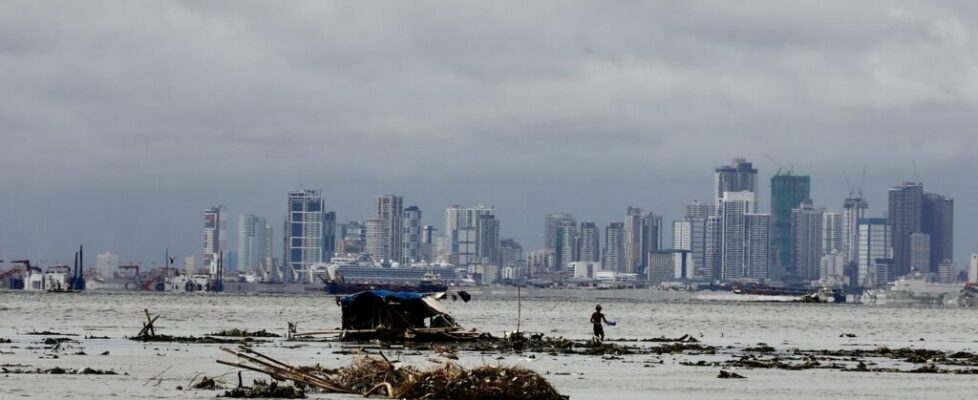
(56, 341)
(5, 340)
(760, 348)
(263, 389)
(49, 333)
(90, 336)
(207, 384)
(58, 371)
(245, 333)
(687, 338)
(724, 374)
(193, 339)
(148, 334)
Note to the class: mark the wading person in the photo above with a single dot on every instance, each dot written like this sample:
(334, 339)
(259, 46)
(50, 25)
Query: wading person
(596, 320)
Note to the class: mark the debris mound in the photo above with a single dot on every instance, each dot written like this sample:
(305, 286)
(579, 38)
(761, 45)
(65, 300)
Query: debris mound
(369, 375)
(265, 390)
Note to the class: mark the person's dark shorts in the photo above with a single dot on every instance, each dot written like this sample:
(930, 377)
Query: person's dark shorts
(598, 330)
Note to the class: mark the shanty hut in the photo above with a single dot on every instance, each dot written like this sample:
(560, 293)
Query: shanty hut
(387, 314)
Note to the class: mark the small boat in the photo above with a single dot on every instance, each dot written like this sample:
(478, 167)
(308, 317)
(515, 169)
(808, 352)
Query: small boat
(824, 294)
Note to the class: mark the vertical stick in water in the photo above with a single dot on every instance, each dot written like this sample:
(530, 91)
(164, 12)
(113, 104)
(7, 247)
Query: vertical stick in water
(519, 307)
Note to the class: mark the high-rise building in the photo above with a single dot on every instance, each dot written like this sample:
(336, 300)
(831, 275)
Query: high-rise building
(352, 238)
(510, 253)
(540, 261)
(973, 269)
(590, 246)
(733, 207)
(947, 272)
(633, 240)
(374, 245)
(906, 212)
(643, 234)
(689, 234)
(561, 236)
(428, 251)
(329, 235)
(487, 239)
(853, 209)
(215, 236)
(832, 269)
(874, 244)
(411, 236)
(739, 176)
(268, 254)
(306, 232)
(106, 264)
(713, 248)
(390, 210)
(614, 247)
(757, 244)
(551, 222)
(458, 222)
(938, 222)
(464, 251)
(696, 209)
(682, 237)
(252, 241)
(567, 242)
(787, 194)
(742, 255)
(832, 228)
(652, 237)
(662, 266)
(920, 252)
(806, 241)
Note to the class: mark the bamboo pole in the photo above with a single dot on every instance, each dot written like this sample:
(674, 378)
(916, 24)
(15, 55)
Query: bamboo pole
(287, 371)
(519, 307)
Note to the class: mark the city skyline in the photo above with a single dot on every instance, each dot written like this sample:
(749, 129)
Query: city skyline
(666, 219)
(596, 109)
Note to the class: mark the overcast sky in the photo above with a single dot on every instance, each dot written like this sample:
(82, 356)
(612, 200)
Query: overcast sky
(120, 122)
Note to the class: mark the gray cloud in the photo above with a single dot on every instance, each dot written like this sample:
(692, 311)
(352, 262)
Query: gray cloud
(116, 113)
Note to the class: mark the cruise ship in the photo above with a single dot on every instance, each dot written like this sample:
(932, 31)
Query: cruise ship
(354, 274)
(915, 290)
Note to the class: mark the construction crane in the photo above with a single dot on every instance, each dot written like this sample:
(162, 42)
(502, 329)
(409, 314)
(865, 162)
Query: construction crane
(787, 170)
(5, 274)
(855, 191)
(27, 265)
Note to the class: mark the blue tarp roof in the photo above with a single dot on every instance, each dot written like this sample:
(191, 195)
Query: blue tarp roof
(383, 294)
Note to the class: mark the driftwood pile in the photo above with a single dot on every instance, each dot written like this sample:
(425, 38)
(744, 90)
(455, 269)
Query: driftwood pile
(148, 334)
(369, 376)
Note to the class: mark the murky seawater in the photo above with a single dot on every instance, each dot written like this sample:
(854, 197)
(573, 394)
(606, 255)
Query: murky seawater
(155, 370)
